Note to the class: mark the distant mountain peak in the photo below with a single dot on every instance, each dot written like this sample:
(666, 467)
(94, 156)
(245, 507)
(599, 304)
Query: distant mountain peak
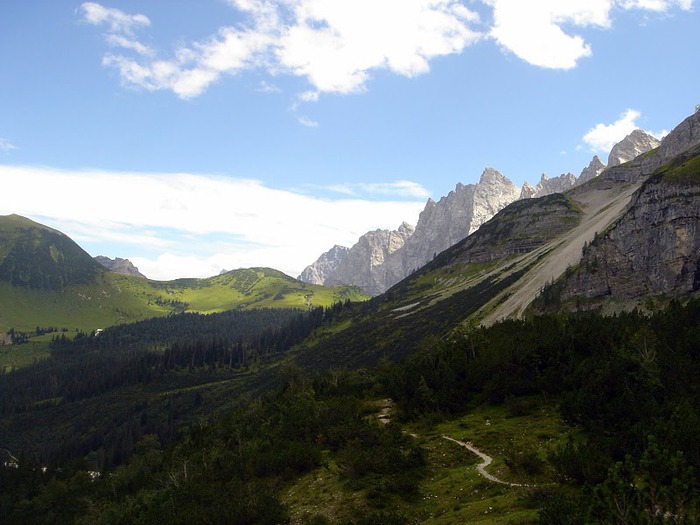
(319, 271)
(594, 168)
(633, 145)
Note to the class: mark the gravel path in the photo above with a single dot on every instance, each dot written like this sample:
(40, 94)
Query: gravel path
(485, 462)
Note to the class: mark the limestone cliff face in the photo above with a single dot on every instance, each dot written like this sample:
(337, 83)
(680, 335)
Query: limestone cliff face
(631, 147)
(363, 264)
(324, 266)
(654, 249)
(683, 136)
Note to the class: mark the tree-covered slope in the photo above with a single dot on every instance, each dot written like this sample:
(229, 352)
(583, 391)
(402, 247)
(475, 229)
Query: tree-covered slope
(41, 258)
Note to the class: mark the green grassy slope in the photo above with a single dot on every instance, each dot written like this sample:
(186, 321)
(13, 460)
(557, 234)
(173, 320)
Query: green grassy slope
(113, 298)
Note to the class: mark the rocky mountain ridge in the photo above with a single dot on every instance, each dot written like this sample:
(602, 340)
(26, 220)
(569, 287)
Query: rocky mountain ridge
(375, 267)
(653, 250)
(119, 265)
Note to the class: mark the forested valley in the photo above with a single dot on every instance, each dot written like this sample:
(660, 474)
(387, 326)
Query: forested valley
(626, 387)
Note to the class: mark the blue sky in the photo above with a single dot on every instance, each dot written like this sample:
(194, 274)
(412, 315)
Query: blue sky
(192, 136)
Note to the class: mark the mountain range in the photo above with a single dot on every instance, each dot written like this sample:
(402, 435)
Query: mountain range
(382, 258)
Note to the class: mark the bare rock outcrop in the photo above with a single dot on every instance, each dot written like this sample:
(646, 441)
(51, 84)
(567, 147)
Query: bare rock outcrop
(654, 249)
(547, 186)
(446, 222)
(324, 266)
(363, 264)
(594, 168)
(119, 265)
(381, 259)
(684, 136)
(631, 147)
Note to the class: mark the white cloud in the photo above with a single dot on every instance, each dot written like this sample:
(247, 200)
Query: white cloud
(533, 30)
(194, 68)
(337, 45)
(656, 5)
(186, 217)
(6, 145)
(539, 32)
(602, 137)
(334, 45)
(126, 43)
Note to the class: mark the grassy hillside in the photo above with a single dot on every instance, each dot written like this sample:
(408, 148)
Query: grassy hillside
(113, 298)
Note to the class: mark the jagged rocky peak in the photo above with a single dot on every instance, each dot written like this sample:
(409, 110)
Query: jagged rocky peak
(364, 264)
(324, 266)
(119, 265)
(406, 230)
(594, 168)
(631, 147)
(547, 186)
(527, 191)
(493, 192)
(382, 258)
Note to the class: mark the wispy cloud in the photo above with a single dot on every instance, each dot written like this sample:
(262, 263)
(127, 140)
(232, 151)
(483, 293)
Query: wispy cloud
(117, 20)
(307, 122)
(174, 217)
(401, 188)
(266, 87)
(6, 145)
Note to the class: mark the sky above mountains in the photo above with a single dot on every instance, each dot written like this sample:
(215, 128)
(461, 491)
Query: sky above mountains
(192, 136)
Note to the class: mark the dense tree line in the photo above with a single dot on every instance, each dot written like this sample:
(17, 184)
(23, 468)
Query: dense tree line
(175, 353)
(231, 472)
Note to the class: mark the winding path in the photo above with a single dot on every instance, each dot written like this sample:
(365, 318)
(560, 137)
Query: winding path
(385, 417)
(486, 461)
